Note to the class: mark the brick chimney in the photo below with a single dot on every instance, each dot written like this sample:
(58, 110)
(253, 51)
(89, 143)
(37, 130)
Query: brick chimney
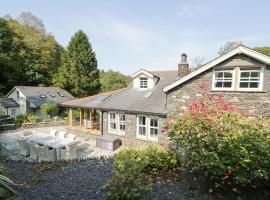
(183, 68)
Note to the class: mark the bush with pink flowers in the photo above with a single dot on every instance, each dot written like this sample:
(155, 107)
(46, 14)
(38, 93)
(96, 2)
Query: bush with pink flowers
(220, 142)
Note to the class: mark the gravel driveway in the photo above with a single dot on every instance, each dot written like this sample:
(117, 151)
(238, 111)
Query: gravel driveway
(85, 180)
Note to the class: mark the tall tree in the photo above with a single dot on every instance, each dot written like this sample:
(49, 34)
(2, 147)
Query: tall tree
(112, 80)
(263, 50)
(229, 46)
(39, 52)
(8, 66)
(78, 72)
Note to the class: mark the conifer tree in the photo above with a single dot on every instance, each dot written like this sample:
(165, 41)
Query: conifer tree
(78, 72)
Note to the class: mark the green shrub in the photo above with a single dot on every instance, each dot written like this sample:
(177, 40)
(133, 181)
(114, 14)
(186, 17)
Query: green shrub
(50, 108)
(128, 186)
(6, 185)
(144, 160)
(218, 141)
(130, 179)
(20, 119)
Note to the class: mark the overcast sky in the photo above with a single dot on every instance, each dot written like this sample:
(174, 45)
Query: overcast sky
(131, 34)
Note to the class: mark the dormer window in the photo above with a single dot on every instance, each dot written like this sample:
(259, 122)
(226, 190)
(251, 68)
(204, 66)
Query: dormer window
(52, 95)
(43, 96)
(60, 94)
(143, 82)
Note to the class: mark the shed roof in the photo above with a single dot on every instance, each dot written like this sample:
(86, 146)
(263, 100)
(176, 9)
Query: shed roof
(8, 102)
(39, 95)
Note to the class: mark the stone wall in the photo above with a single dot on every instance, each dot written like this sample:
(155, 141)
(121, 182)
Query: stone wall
(129, 138)
(44, 124)
(254, 103)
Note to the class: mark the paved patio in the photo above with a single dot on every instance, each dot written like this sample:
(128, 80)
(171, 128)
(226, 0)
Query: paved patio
(86, 147)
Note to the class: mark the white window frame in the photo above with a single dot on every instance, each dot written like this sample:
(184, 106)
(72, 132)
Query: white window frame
(109, 122)
(214, 80)
(138, 126)
(153, 127)
(145, 82)
(13, 111)
(260, 88)
(123, 123)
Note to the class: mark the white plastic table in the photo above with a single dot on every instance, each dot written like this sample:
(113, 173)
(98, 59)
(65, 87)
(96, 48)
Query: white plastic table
(50, 141)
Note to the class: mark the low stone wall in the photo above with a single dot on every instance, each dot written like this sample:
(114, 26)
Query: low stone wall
(44, 124)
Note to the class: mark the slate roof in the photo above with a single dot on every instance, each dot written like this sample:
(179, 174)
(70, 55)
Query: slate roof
(39, 95)
(130, 99)
(8, 103)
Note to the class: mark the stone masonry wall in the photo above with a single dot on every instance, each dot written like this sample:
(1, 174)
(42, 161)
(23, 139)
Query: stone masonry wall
(129, 138)
(254, 103)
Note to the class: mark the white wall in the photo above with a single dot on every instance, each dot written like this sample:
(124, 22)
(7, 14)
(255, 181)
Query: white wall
(21, 101)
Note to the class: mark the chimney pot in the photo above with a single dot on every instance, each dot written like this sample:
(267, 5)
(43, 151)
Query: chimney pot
(183, 67)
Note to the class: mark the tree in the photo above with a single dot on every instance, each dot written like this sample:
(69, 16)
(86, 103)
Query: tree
(197, 61)
(263, 50)
(111, 80)
(8, 65)
(38, 52)
(78, 72)
(229, 46)
(50, 108)
(30, 20)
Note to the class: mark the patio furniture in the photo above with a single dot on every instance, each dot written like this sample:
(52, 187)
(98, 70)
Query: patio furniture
(26, 133)
(108, 142)
(53, 132)
(69, 152)
(62, 134)
(71, 136)
(46, 154)
(33, 151)
(24, 148)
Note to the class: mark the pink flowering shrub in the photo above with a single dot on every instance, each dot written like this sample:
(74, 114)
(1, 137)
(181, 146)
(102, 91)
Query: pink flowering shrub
(219, 141)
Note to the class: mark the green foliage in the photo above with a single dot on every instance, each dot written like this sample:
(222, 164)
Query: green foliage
(215, 139)
(20, 119)
(144, 160)
(111, 80)
(6, 184)
(228, 47)
(263, 50)
(129, 186)
(130, 179)
(28, 55)
(78, 72)
(50, 108)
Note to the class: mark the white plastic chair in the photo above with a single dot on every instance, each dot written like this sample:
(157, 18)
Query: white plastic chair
(46, 154)
(69, 152)
(24, 148)
(71, 136)
(33, 151)
(53, 132)
(62, 134)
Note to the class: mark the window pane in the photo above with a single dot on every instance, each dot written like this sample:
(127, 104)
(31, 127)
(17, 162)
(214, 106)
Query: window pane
(227, 74)
(219, 74)
(112, 125)
(142, 120)
(255, 74)
(227, 84)
(122, 127)
(244, 85)
(153, 132)
(142, 131)
(153, 122)
(254, 85)
(244, 74)
(218, 84)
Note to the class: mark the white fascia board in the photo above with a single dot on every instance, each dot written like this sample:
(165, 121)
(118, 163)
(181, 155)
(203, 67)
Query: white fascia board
(142, 71)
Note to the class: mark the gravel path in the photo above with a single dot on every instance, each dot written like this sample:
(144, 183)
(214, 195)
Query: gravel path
(85, 180)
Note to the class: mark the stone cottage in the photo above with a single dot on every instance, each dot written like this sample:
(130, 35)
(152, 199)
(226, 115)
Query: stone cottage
(136, 113)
